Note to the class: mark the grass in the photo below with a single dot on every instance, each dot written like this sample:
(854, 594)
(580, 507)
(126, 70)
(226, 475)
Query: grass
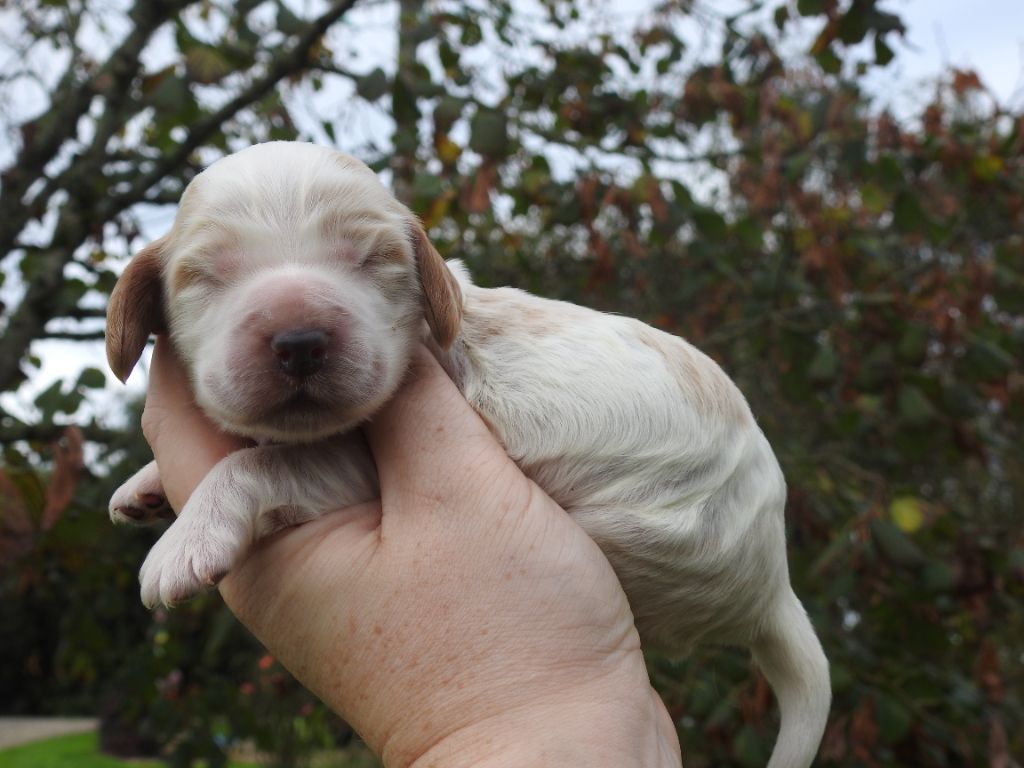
(79, 750)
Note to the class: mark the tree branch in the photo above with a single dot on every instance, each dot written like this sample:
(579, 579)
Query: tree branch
(47, 433)
(97, 335)
(44, 136)
(294, 60)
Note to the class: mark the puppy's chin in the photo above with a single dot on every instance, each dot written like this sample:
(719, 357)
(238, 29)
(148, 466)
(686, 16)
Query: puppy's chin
(300, 419)
(277, 410)
(304, 423)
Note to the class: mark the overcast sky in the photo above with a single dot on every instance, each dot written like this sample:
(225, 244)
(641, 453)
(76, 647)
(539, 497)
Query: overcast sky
(986, 35)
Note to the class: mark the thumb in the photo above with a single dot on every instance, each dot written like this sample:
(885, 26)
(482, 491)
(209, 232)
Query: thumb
(186, 445)
(427, 439)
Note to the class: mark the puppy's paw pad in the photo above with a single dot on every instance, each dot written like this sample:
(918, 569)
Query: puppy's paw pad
(130, 514)
(140, 500)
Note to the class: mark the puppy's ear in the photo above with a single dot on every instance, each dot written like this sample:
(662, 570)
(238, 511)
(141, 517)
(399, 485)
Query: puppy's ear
(135, 310)
(442, 297)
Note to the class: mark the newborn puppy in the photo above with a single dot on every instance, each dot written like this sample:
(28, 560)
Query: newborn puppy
(295, 287)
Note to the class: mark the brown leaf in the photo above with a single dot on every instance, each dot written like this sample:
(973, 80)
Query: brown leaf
(602, 272)
(986, 669)
(67, 468)
(864, 732)
(965, 80)
(833, 745)
(587, 192)
(16, 529)
(998, 745)
(476, 198)
(755, 703)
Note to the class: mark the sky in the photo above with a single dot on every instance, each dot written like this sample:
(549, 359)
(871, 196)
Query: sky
(985, 35)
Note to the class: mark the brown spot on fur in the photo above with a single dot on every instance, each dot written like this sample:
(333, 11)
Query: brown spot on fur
(185, 274)
(493, 314)
(700, 377)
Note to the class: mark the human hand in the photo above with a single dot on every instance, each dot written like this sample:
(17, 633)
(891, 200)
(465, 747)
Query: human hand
(464, 619)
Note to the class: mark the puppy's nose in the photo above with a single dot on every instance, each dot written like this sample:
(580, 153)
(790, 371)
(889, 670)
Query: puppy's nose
(300, 353)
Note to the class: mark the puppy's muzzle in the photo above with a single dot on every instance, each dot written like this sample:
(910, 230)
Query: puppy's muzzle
(300, 353)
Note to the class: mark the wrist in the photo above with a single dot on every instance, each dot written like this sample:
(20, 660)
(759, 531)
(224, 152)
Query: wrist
(592, 726)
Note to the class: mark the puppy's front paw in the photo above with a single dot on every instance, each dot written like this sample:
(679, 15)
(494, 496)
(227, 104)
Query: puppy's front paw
(193, 555)
(141, 500)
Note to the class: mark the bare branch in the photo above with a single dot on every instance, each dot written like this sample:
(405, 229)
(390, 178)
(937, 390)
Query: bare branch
(294, 60)
(47, 433)
(43, 137)
(97, 335)
(85, 313)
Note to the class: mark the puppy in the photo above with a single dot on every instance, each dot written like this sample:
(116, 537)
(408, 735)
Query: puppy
(295, 287)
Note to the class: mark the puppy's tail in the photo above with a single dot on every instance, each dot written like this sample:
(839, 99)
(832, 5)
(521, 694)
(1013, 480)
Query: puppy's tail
(791, 658)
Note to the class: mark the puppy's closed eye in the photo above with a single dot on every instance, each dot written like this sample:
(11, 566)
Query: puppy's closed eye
(191, 274)
(211, 266)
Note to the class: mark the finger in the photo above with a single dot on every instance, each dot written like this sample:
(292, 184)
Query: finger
(427, 432)
(185, 443)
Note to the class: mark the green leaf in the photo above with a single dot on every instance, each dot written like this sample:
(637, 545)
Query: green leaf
(372, 85)
(939, 577)
(824, 366)
(913, 345)
(427, 186)
(404, 107)
(710, 223)
(446, 112)
(810, 7)
(853, 26)
(906, 513)
(895, 545)
(288, 22)
(170, 95)
(874, 198)
(488, 133)
(50, 400)
(915, 408)
(883, 53)
(750, 749)
(206, 65)
(92, 378)
(448, 55)
(830, 62)
(985, 360)
(907, 213)
(471, 34)
(893, 718)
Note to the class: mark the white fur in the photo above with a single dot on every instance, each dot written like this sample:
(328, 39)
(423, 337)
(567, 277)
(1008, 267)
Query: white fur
(638, 435)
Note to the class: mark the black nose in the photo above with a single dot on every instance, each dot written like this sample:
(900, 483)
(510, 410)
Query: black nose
(300, 353)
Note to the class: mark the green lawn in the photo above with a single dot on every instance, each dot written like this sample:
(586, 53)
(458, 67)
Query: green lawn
(79, 750)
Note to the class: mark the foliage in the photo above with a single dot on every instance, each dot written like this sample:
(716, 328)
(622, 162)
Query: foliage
(186, 684)
(859, 274)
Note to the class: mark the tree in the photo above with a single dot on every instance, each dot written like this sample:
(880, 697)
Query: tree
(859, 275)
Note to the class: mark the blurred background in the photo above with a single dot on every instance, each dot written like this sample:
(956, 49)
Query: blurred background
(824, 195)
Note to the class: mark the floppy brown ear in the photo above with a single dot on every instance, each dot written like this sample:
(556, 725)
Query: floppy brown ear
(442, 297)
(135, 310)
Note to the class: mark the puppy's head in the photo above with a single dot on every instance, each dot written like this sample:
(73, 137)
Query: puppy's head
(294, 287)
